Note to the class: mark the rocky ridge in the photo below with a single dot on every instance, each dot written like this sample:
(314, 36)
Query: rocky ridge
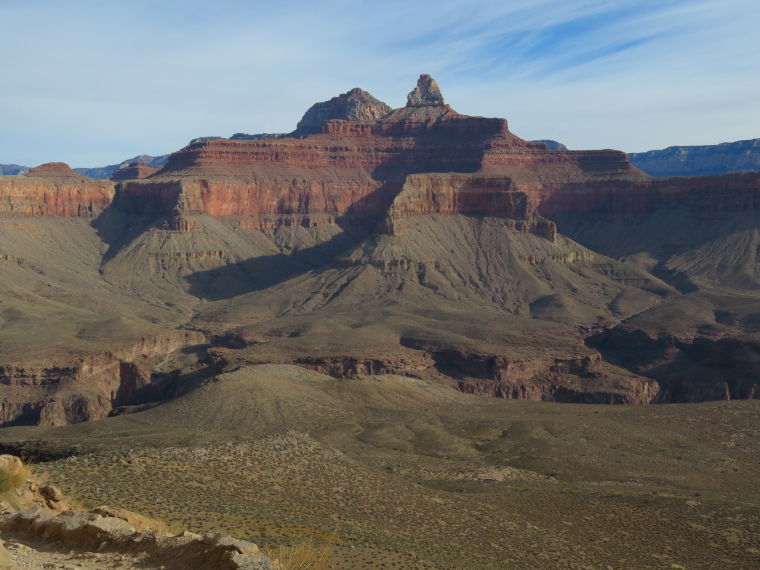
(739, 156)
(107, 171)
(355, 105)
(103, 537)
(13, 169)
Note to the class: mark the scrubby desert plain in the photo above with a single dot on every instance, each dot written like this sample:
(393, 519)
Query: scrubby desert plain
(400, 473)
(407, 334)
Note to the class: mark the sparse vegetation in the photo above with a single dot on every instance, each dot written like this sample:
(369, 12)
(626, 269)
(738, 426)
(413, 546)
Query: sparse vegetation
(14, 476)
(305, 554)
(280, 490)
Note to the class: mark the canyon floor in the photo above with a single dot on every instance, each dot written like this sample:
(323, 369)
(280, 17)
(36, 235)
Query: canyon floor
(397, 472)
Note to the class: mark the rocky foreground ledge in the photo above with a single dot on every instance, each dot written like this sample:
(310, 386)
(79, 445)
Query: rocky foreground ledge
(40, 529)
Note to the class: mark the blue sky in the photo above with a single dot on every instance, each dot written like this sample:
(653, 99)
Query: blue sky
(95, 82)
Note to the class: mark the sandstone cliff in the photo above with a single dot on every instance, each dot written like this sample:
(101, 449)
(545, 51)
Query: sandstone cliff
(358, 164)
(53, 189)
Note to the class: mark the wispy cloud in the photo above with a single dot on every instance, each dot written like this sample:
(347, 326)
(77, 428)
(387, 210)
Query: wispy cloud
(86, 83)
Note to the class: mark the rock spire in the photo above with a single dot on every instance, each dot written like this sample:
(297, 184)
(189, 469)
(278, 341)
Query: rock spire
(426, 94)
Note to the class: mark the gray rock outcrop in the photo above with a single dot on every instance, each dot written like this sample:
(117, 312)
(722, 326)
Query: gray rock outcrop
(356, 105)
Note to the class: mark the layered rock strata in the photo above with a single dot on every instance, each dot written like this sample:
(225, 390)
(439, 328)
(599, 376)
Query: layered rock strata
(133, 171)
(469, 195)
(368, 163)
(357, 161)
(88, 389)
(718, 193)
(53, 189)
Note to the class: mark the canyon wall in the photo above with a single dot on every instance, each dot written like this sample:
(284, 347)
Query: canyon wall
(90, 388)
(723, 192)
(53, 190)
(450, 194)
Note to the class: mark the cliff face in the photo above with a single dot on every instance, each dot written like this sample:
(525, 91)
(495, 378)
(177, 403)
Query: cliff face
(422, 159)
(371, 166)
(88, 389)
(737, 156)
(53, 189)
(133, 171)
(719, 193)
(497, 197)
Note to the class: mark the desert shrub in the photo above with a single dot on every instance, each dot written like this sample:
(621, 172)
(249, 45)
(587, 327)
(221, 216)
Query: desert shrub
(12, 477)
(21, 476)
(5, 481)
(15, 477)
(304, 555)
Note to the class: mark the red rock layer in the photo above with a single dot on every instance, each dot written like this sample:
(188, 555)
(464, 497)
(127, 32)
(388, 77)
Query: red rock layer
(723, 192)
(403, 165)
(53, 190)
(382, 149)
(496, 196)
(355, 168)
(133, 171)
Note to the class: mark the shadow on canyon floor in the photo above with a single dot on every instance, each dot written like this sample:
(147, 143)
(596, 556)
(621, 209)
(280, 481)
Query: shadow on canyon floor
(259, 273)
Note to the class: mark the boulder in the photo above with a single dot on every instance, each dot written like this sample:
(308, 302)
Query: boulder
(227, 542)
(74, 524)
(109, 528)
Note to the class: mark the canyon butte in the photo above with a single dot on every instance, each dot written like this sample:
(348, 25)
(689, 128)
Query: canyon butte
(407, 333)
(415, 241)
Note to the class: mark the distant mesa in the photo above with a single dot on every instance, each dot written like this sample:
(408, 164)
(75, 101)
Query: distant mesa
(57, 170)
(240, 137)
(53, 189)
(256, 137)
(133, 171)
(107, 171)
(739, 156)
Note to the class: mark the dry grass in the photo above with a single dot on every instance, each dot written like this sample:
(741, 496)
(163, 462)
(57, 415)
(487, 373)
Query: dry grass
(303, 555)
(13, 478)
(429, 477)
